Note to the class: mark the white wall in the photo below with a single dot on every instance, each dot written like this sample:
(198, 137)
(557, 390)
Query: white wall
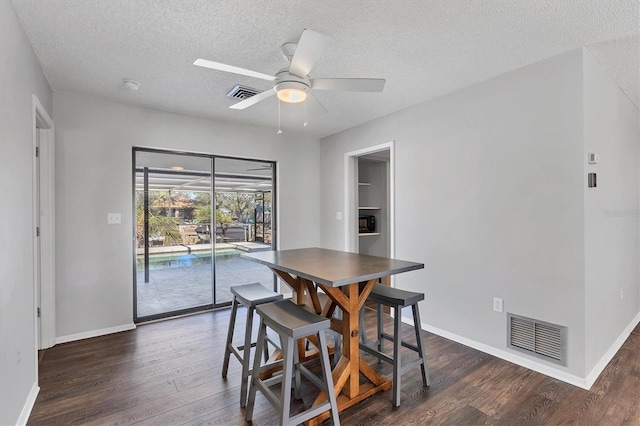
(94, 139)
(489, 195)
(20, 77)
(611, 212)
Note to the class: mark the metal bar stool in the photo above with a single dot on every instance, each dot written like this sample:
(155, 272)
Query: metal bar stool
(250, 296)
(292, 322)
(396, 299)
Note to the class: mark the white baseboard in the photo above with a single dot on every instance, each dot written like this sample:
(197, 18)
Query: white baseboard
(28, 405)
(94, 333)
(507, 356)
(615, 347)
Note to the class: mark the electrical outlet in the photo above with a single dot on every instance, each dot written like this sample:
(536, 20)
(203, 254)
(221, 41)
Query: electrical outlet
(621, 294)
(114, 218)
(18, 357)
(497, 304)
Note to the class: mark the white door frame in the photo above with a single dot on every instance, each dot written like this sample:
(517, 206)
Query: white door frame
(350, 188)
(44, 290)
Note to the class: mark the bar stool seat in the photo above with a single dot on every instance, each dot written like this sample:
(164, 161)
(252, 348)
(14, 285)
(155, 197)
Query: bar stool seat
(249, 296)
(397, 299)
(292, 322)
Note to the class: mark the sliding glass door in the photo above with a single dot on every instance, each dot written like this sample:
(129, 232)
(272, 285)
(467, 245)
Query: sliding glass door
(195, 215)
(241, 188)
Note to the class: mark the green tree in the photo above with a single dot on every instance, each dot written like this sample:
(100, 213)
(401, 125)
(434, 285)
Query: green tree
(202, 213)
(160, 224)
(239, 204)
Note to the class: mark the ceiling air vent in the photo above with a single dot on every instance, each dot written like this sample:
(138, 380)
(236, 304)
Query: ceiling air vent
(242, 92)
(538, 338)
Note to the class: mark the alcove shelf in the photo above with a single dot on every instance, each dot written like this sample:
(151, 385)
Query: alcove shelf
(372, 177)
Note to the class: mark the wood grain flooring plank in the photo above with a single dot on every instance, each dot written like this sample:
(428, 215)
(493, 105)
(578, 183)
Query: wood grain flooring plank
(168, 372)
(201, 377)
(159, 406)
(466, 415)
(180, 415)
(85, 407)
(233, 416)
(512, 382)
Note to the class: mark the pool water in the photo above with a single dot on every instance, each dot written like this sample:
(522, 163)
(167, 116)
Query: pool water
(186, 260)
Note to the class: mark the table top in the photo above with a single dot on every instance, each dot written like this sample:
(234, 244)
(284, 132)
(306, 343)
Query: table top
(331, 267)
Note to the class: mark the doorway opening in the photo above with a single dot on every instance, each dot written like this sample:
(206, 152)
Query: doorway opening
(369, 200)
(43, 226)
(195, 216)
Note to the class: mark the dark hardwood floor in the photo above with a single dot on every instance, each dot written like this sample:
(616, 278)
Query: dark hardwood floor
(169, 373)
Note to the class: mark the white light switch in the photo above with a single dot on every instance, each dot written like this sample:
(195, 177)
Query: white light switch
(114, 218)
(338, 215)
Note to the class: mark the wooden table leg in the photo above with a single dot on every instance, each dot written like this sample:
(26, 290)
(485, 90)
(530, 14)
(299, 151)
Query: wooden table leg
(346, 376)
(350, 340)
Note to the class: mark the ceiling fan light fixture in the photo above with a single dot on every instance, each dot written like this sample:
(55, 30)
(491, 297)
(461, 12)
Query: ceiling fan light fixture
(291, 92)
(292, 96)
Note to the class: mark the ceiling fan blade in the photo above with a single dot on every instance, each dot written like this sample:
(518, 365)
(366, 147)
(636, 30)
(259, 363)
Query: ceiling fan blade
(311, 47)
(254, 99)
(230, 68)
(349, 84)
(314, 106)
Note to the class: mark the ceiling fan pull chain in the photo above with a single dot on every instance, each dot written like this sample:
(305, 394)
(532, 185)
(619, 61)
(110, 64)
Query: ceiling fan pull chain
(279, 130)
(305, 113)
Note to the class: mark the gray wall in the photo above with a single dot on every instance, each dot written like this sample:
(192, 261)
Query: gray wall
(20, 77)
(489, 195)
(94, 139)
(611, 212)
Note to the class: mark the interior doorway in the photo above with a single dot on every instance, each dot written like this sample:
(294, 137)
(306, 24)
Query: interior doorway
(43, 226)
(370, 200)
(195, 216)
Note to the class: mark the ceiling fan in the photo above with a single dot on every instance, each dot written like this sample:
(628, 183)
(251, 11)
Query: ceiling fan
(292, 84)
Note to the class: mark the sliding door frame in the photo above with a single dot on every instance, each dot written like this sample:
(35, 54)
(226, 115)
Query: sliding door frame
(212, 158)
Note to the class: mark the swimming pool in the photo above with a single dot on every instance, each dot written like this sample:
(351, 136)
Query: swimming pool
(162, 261)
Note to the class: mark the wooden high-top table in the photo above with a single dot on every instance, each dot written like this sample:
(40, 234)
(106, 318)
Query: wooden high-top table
(347, 279)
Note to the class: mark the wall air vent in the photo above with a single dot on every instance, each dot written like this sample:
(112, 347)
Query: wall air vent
(538, 338)
(242, 92)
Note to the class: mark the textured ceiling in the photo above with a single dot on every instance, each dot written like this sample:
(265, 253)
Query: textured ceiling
(423, 48)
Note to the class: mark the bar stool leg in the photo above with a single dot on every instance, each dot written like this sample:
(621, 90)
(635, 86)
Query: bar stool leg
(296, 373)
(361, 326)
(232, 324)
(265, 351)
(287, 375)
(326, 372)
(380, 326)
(337, 340)
(397, 355)
(424, 367)
(251, 399)
(246, 355)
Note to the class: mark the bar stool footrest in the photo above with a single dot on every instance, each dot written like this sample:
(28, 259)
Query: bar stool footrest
(312, 377)
(310, 413)
(380, 355)
(408, 366)
(403, 343)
